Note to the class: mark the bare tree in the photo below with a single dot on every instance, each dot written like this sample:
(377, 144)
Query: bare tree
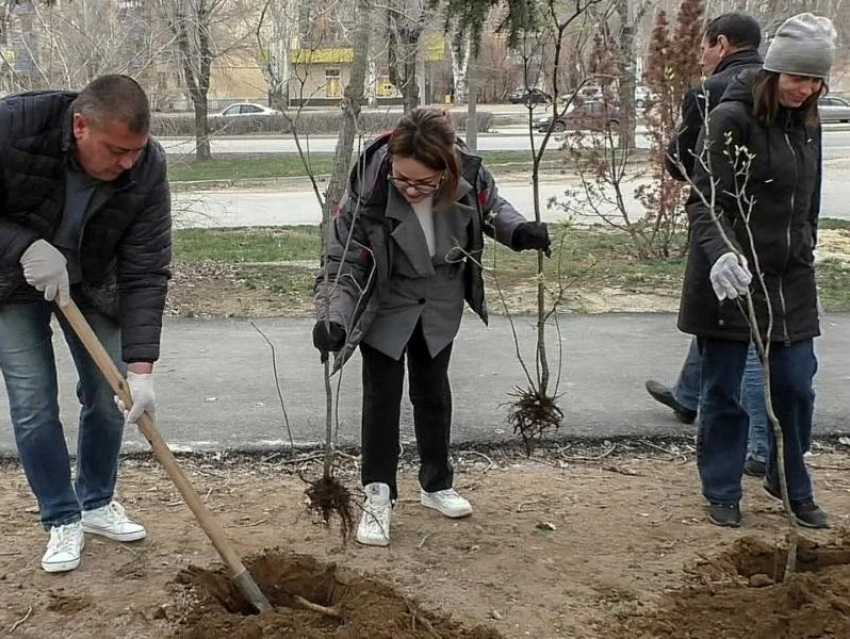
(205, 31)
(71, 44)
(275, 30)
(406, 22)
(461, 54)
(191, 22)
(351, 105)
(671, 69)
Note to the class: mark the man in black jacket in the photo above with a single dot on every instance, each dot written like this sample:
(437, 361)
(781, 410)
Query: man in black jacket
(85, 215)
(730, 46)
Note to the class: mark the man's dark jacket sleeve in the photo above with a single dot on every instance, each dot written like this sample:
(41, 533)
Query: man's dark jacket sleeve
(144, 256)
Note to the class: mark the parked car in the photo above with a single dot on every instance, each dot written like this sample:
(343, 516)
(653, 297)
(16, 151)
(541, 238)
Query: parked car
(589, 92)
(593, 115)
(833, 109)
(529, 96)
(642, 96)
(247, 108)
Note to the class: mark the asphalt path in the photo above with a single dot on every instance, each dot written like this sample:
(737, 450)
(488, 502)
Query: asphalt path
(216, 390)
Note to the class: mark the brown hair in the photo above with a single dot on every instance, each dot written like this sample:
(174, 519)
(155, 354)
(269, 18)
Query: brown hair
(766, 100)
(427, 136)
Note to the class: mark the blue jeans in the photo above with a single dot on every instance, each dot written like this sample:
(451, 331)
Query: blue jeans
(687, 393)
(752, 399)
(29, 370)
(722, 446)
(686, 390)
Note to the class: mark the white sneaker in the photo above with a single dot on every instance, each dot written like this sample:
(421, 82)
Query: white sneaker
(64, 548)
(374, 528)
(111, 522)
(447, 502)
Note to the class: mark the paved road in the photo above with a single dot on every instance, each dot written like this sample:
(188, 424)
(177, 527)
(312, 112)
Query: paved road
(514, 140)
(216, 390)
(836, 143)
(234, 207)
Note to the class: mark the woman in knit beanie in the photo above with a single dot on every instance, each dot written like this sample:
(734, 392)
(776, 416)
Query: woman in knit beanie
(753, 217)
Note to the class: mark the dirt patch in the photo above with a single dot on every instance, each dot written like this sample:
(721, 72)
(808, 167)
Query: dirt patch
(740, 594)
(67, 604)
(563, 546)
(367, 607)
(213, 289)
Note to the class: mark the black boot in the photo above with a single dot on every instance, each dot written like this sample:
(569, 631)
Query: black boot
(807, 513)
(724, 515)
(661, 393)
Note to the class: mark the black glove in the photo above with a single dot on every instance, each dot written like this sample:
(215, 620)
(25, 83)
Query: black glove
(328, 340)
(532, 236)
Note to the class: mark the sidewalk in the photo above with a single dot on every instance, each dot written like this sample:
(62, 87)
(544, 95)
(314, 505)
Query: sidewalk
(216, 390)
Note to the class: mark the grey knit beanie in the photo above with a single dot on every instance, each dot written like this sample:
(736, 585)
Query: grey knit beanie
(803, 45)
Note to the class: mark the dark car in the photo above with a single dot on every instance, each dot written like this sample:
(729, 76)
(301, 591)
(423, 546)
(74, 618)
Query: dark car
(529, 96)
(832, 109)
(593, 115)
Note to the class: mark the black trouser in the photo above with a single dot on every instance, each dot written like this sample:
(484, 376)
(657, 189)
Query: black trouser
(431, 396)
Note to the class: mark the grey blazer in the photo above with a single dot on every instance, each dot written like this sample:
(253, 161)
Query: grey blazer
(422, 288)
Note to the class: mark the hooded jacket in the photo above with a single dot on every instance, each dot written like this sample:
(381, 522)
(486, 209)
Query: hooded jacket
(776, 170)
(358, 264)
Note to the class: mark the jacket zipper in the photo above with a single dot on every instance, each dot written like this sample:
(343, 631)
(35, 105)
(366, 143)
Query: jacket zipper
(788, 239)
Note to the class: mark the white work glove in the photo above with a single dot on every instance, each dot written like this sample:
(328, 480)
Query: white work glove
(44, 269)
(144, 400)
(730, 277)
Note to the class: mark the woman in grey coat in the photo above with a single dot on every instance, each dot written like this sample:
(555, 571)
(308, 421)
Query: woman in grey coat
(404, 254)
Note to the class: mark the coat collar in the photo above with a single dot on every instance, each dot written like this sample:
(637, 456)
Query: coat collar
(408, 234)
(745, 57)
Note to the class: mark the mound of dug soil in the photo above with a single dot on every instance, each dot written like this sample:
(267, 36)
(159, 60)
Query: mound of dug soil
(741, 595)
(367, 608)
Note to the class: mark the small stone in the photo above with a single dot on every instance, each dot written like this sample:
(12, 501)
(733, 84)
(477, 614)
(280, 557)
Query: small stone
(760, 581)
(495, 614)
(545, 525)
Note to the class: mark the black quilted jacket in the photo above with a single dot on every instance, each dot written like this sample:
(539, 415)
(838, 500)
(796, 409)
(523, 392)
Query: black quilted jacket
(125, 247)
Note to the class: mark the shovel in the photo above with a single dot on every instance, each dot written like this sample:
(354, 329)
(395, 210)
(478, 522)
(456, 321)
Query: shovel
(246, 584)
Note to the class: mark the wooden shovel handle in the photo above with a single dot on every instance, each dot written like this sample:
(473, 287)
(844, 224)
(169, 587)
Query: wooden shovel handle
(205, 518)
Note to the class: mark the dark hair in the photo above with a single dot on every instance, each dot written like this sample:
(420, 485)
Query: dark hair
(741, 30)
(115, 97)
(427, 136)
(766, 100)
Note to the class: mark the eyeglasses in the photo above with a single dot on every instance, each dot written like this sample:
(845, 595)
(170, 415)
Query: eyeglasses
(423, 188)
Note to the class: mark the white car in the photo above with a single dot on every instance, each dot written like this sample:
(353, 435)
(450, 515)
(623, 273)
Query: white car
(247, 108)
(833, 109)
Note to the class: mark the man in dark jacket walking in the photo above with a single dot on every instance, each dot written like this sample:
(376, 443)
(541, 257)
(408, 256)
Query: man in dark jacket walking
(730, 45)
(85, 215)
